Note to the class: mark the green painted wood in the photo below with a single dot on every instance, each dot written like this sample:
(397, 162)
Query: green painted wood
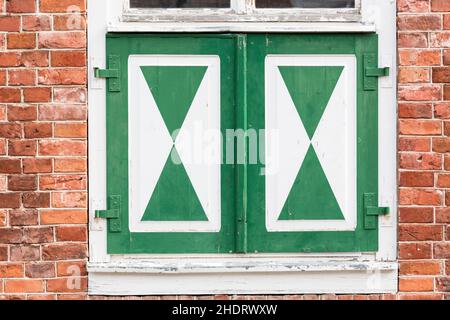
(310, 89)
(241, 187)
(174, 89)
(125, 45)
(360, 240)
(174, 198)
(311, 197)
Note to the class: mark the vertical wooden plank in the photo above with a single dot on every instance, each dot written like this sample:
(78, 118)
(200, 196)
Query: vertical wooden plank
(241, 123)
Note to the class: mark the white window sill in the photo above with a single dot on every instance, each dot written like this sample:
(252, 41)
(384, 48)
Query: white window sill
(284, 27)
(241, 276)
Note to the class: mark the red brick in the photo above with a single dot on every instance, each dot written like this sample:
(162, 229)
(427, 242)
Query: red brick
(62, 40)
(11, 235)
(24, 286)
(414, 144)
(442, 250)
(23, 113)
(9, 200)
(41, 297)
(447, 163)
(420, 268)
(21, 77)
(62, 182)
(21, 6)
(2, 77)
(419, 22)
(78, 233)
(447, 128)
(440, 5)
(68, 59)
(62, 112)
(70, 95)
(10, 59)
(69, 22)
(40, 270)
(415, 215)
(21, 40)
(57, 217)
(446, 22)
(25, 253)
(440, 39)
(443, 284)
(34, 165)
(69, 200)
(62, 148)
(416, 284)
(443, 180)
(3, 253)
(10, 130)
(420, 197)
(423, 161)
(70, 165)
(446, 92)
(71, 130)
(9, 23)
(22, 183)
(10, 166)
(413, 75)
(37, 94)
(416, 296)
(36, 23)
(35, 59)
(66, 251)
(447, 198)
(442, 110)
(62, 76)
(420, 93)
(416, 179)
(36, 200)
(11, 270)
(23, 217)
(447, 55)
(441, 75)
(420, 232)
(61, 5)
(38, 130)
(420, 127)
(67, 285)
(10, 95)
(38, 235)
(2, 146)
(71, 268)
(22, 147)
(413, 6)
(441, 145)
(424, 57)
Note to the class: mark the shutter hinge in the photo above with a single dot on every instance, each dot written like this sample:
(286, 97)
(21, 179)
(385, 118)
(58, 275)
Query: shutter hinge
(372, 72)
(112, 74)
(372, 211)
(112, 214)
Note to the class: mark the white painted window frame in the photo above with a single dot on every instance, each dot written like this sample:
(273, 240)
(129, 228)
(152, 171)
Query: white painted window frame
(241, 11)
(243, 274)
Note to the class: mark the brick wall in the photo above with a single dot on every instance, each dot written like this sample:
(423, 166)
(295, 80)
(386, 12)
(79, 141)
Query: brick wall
(43, 171)
(43, 132)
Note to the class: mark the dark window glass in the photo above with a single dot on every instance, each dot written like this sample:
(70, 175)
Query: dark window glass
(305, 3)
(179, 3)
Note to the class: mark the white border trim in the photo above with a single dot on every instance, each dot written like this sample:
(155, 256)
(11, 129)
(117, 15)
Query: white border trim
(274, 181)
(104, 275)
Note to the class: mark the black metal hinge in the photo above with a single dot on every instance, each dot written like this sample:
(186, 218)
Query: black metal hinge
(112, 214)
(112, 74)
(372, 72)
(372, 211)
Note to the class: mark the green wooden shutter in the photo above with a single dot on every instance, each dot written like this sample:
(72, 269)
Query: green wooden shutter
(313, 98)
(166, 83)
(317, 98)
